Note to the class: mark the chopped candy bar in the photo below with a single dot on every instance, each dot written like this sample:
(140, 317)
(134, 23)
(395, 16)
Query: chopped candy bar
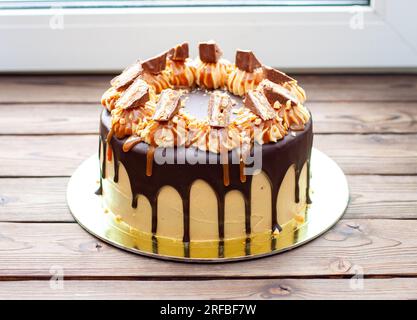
(135, 96)
(127, 76)
(219, 109)
(246, 61)
(209, 52)
(256, 102)
(275, 92)
(275, 75)
(179, 53)
(168, 105)
(156, 64)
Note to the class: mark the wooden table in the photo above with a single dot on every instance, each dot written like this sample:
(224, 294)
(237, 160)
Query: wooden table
(367, 123)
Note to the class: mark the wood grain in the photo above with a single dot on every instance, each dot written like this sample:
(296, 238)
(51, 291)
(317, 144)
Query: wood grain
(88, 88)
(364, 117)
(34, 200)
(49, 118)
(375, 247)
(44, 200)
(376, 197)
(329, 117)
(60, 155)
(281, 289)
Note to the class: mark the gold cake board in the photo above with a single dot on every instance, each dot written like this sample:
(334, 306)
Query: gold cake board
(329, 193)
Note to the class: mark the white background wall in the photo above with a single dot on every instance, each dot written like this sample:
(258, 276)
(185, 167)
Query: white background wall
(382, 37)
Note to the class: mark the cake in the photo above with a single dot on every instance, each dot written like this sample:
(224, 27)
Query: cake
(204, 158)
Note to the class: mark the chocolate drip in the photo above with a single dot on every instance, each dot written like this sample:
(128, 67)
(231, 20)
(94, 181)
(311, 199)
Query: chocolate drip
(220, 211)
(99, 191)
(154, 227)
(248, 228)
(297, 184)
(308, 181)
(116, 170)
(103, 164)
(154, 244)
(277, 158)
(186, 221)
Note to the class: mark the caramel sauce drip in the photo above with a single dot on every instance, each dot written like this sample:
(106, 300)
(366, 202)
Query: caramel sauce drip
(149, 160)
(109, 153)
(221, 136)
(226, 178)
(110, 134)
(151, 151)
(131, 142)
(241, 171)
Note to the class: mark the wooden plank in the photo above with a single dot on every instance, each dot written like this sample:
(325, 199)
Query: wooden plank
(364, 117)
(373, 247)
(377, 197)
(43, 199)
(49, 118)
(329, 117)
(44, 155)
(371, 154)
(34, 199)
(342, 87)
(60, 155)
(53, 88)
(89, 88)
(281, 289)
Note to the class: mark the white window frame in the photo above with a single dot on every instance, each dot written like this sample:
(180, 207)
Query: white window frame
(380, 37)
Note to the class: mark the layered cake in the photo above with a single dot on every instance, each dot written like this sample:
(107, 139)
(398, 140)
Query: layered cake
(204, 158)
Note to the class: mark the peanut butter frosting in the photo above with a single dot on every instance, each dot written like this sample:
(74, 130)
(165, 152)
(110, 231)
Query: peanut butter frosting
(265, 117)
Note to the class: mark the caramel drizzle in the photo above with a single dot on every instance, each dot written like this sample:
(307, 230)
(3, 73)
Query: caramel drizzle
(131, 142)
(241, 171)
(149, 160)
(151, 150)
(109, 154)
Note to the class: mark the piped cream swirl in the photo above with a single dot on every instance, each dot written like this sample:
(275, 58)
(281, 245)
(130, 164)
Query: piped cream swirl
(212, 75)
(182, 73)
(110, 97)
(296, 90)
(239, 82)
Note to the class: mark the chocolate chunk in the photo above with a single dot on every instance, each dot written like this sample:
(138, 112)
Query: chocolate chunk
(135, 96)
(127, 76)
(179, 53)
(275, 75)
(256, 102)
(209, 51)
(275, 92)
(156, 64)
(168, 105)
(219, 108)
(246, 61)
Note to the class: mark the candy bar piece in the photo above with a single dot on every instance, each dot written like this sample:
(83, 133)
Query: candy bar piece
(155, 64)
(135, 96)
(168, 105)
(246, 61)
(179, 53)
(209, 51)
(275, 75)
(256, 102)
(275, 92)
(219, 108)
(127, 76)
